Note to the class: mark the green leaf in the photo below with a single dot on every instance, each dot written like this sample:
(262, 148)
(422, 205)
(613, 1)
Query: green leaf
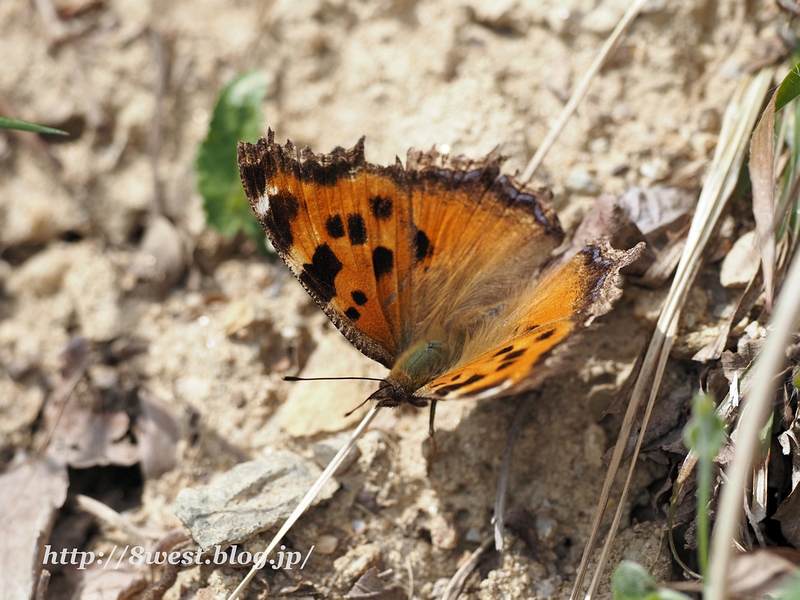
(631, 581)
(789, 88)
(236, 117)
(25, 126)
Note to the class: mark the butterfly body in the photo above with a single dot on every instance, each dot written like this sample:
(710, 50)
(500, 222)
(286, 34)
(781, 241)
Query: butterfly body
(434, 270)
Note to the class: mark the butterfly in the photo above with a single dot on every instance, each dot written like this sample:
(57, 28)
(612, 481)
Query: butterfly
(439, 270)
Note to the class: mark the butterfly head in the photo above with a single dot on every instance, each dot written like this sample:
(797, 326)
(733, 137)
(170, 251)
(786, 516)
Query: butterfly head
(391, 393)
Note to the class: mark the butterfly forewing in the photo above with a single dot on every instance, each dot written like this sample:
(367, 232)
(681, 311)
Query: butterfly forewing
(344, 229)
(477, 237)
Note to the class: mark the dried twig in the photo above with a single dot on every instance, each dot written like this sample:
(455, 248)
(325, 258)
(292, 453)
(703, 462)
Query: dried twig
(577, 96)
(456, 584)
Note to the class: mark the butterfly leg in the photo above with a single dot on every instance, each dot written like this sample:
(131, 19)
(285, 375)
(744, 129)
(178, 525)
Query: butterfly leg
(431, 431)
(431, 437)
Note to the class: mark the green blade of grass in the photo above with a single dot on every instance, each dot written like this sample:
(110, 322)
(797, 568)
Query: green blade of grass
(26, 126)
(789, 88)
(705, 434)
(236, 117)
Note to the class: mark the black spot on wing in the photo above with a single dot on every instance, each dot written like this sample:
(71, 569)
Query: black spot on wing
(352, 313)
(422, 246)
(505, 350)
(382, 261)
(356, 229)
(514, 355)
(456, 377)
(359, 297)
(283, 209)
(381, 207)
(546, 335)
(319, 277)
(457, 386)
(334, 226)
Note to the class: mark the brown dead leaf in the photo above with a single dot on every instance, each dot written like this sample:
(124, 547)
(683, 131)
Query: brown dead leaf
(74, 356)
(84, 439)
(761, 573)
(762, 176)
(713, 350)
(30, 497)
(665, 262)
(788, 515)
(319, 406)
(737, 362)
(370, 585)
(655, 208)
(768, 50)
(608, 220)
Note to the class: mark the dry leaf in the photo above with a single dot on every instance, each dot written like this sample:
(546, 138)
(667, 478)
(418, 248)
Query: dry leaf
(30, 497)
(762, 177)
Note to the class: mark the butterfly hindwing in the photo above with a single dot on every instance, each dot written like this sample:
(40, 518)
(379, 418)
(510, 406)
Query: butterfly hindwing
(563, 299)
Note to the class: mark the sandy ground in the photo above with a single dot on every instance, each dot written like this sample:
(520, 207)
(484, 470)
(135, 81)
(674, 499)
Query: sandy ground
(136, 80)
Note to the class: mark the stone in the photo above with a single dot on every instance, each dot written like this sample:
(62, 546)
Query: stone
(580, 181)
(252, 497)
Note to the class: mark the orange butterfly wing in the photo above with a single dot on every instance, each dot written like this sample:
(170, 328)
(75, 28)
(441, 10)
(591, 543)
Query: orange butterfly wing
(563, 299)
(432, 270)
(376, 246)
(336, 227)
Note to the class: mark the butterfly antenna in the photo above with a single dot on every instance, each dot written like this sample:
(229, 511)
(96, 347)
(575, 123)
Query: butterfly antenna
(308, 499)
(350, 412)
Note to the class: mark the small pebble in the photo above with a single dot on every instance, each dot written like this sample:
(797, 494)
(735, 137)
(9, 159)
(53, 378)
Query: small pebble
(545, 527)
(580, 181)
(326, 544)
(443, 532)
(358, 526)
(473, 535)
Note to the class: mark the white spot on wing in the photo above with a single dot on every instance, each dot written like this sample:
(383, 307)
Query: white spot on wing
(263, 205)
